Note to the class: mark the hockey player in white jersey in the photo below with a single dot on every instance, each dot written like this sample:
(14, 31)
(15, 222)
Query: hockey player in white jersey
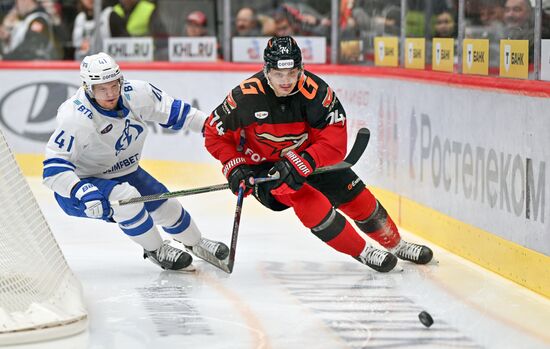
(93, 158)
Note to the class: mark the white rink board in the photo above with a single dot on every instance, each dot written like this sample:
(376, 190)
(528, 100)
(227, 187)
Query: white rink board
(478, 156)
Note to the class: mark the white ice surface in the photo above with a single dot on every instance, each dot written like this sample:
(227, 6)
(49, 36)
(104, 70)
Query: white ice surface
(288, 290)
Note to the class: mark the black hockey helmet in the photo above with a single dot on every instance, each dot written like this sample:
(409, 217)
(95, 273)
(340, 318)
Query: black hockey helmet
(282, 53)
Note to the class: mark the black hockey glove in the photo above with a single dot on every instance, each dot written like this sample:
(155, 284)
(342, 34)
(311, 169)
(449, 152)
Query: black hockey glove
(236, 170)
(293, 170)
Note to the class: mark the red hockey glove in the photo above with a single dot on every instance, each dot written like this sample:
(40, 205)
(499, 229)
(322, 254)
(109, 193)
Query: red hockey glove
(236, 170)
(293, 170)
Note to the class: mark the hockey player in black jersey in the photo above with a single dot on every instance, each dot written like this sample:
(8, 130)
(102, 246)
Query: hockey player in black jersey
(285, 119)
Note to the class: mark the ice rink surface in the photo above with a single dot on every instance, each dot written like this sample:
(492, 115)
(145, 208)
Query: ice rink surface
(288, 290)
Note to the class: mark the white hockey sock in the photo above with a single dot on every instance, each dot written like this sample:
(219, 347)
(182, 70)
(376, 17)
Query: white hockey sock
(150, 240)
(190, 236)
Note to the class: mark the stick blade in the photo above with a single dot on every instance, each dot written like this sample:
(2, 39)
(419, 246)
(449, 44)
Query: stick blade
(210, 258)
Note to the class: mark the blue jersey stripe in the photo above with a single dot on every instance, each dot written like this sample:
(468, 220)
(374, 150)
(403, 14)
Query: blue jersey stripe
(181, 120)
(174, 113)
(54, 170)
(58, 161)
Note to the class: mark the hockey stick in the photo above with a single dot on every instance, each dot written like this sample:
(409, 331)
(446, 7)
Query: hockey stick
(209, 257)
(355, 153)
(357, 150)
(235, 230)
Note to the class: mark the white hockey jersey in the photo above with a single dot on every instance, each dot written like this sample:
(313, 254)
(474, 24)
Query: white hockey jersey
(92, 142)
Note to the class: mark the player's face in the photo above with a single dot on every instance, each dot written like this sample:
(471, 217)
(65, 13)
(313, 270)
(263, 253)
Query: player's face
(107, 94)
(283, 81)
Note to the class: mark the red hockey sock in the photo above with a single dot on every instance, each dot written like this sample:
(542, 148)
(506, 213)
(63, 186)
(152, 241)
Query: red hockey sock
(371, 217)
(361, 207)
(386, 233)
(348, 241)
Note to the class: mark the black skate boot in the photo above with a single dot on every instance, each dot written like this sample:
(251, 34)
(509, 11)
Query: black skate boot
(215, 248)
(378, 260)
(408, 251)
(170, 257)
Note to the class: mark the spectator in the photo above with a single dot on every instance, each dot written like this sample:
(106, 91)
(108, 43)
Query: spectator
(267, 24)
(392, 20)
(111, 25)
(518, 19)
(283, 24)
(246, 23)
(445, 25)
(518, 24)
(31, 37)
(491, 11)
(307, 23)
(195, 24)
(141, 18)
(9, 21)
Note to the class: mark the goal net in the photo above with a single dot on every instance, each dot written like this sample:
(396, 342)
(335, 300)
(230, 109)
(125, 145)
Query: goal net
(40, 298)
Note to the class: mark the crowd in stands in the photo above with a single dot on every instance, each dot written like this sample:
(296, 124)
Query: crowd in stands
(56, 29)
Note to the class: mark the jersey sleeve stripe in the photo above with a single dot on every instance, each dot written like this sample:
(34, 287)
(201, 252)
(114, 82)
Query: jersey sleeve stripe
(178, 115)
(54, 170)
(181, 120)
(58, 161)
(174, 113)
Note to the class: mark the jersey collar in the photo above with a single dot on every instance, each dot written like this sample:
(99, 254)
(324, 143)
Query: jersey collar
(119, 112)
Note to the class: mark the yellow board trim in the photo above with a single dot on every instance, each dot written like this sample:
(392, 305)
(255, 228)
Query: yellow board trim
(515, 262)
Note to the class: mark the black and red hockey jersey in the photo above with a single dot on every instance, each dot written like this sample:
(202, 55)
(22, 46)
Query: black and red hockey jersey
(253, 122)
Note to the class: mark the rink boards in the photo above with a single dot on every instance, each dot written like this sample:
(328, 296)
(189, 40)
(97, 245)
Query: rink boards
(460, 164)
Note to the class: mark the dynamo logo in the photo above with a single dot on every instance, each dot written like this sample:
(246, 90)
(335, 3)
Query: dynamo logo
(130, 133)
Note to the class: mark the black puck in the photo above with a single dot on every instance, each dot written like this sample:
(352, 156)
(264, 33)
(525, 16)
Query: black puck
(425, 318)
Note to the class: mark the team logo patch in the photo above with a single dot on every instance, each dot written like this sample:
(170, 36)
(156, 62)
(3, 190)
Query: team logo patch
(261, 114)
(353, 183)
(107, 129)
(328, 98)
(282, 144)
(131, 133)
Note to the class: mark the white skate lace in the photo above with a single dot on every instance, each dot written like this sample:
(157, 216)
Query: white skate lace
(168, 253)
(374, 256)
(410, 251)
(209, 245)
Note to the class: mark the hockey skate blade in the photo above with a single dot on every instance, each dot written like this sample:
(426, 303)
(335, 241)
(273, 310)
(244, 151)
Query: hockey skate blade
(434, 262)
(398, 269)
(188, 269)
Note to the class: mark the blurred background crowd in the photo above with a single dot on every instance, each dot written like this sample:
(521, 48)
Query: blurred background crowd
(56, 29)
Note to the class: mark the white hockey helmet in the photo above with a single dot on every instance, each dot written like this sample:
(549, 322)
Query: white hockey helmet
(98, 69)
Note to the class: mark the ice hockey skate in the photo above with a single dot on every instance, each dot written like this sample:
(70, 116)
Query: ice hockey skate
(170, 257)
(411, 252)
(378, 260)
(210, 247)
